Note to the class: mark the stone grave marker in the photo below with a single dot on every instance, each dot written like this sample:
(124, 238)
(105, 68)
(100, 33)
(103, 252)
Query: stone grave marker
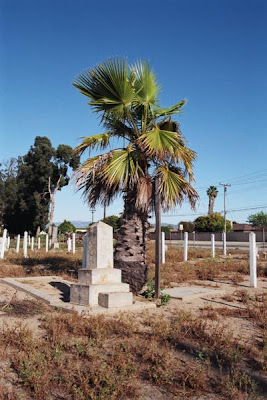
(54, 234)
(18, 243)
(3, 244)
(99, 283)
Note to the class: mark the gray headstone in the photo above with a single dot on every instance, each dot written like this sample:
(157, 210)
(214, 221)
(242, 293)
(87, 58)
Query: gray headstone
(54, 234)
(99, 246)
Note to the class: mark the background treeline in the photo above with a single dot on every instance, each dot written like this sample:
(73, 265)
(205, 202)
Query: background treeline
(28, 185)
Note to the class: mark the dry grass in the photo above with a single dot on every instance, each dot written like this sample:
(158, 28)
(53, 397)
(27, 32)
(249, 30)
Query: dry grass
(111, 358)
(181, 354)
(201, 266)
(41, 263)
(22, 308)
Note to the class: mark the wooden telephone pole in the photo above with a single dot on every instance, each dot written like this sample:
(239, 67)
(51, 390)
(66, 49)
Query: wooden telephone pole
(157, 239)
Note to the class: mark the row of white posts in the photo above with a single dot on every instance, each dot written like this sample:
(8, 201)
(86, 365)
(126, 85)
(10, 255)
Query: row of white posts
(29, 241)
(252, 253)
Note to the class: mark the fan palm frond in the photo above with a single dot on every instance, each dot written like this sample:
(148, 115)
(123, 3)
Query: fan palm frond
(161, 143)
(145, 85)
(174, 188)
(166, 112)
(100, 141)
(108, 86)
(144, 193)
(123, 168)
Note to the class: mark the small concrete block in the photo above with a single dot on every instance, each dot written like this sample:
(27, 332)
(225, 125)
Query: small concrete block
(114, 300)
(99, 276)
(79, 294)
(88, 295)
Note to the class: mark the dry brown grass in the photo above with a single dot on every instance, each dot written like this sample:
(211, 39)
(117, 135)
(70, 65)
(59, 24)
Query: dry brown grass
(182, 354)
(201, 266)
(111, 358)
(22, 308)
(41, 263)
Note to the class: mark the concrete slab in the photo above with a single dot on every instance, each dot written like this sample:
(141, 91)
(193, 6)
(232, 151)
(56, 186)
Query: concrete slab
(187, 293)
(52, 297)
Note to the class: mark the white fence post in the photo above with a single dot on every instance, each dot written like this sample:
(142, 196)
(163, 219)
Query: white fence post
(73, 243)
(38, 243)
(163, 247)
(25, 244)
(84, 251)
(18, 243)
(32, 243)
(3, 247)
(185, 246)
(46, 242)
(224, 243)
(253, 259)
(212, 245)
(69, 245)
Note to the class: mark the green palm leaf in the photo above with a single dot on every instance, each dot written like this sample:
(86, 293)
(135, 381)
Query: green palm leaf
(145, 85)
(123, 168)
(166, 112)
(108, 86)
(100, 141)
(174, 188)
(161, 143)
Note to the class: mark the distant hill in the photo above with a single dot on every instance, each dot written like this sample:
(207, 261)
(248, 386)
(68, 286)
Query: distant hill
(165, 224)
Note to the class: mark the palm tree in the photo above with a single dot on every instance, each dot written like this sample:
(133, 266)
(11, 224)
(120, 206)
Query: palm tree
(212, 193)
(144, 142)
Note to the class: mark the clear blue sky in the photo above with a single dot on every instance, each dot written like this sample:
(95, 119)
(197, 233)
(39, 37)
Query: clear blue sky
(212, 52)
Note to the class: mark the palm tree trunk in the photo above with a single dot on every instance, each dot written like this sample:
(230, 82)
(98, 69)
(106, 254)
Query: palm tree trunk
(130, 249)
(211, 205)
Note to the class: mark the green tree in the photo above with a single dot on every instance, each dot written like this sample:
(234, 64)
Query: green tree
(258, 219)
(112, 220)
(39, 175)
(212, 192)
(188, 226)
(166, 228)
(150, 145)
(66, 226)
(8, 191)
(212, 223)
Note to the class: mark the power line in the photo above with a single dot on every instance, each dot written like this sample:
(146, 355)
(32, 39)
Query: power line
(240, 180)
(256, 207)
(247, 175)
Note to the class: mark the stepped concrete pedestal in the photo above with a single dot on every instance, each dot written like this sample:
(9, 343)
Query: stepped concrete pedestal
(99, 284)
(88, 295)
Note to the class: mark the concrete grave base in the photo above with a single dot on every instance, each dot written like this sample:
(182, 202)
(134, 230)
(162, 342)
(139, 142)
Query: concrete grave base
(44, 288)
(99, 276)
(88, 294)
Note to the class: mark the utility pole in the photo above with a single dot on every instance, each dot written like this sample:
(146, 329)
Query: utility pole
(92, 211)
(225, 186)
(105, 212)
(157, 239)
